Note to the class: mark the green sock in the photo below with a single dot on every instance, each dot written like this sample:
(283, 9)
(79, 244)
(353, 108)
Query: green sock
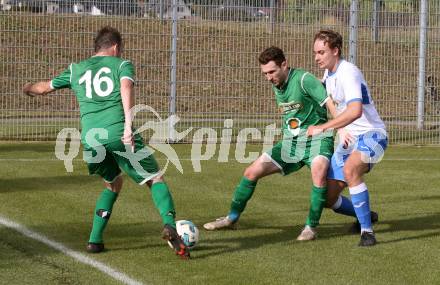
(164, 203)
(318, 197)
(103, 209)
(242, 194)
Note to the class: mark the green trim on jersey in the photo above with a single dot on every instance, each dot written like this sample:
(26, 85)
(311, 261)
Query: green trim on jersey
(301, 100)
(96, 83)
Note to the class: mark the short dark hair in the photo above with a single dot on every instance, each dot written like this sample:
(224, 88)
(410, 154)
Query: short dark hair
(272, 53)
(107, 37)
(332, 38)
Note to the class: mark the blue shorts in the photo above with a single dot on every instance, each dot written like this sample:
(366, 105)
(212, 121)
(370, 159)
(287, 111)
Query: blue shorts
(372, 144)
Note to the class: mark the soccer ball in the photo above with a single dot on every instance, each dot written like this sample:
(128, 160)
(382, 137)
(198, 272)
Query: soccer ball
(188, 232)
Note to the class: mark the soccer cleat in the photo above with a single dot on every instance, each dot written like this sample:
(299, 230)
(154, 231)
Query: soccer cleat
(308, 233)
(220, 223)
(367, 239)
(356, 227)
(175, 242)
(95, 247)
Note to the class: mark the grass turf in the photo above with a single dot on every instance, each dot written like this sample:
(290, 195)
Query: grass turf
(37, 192)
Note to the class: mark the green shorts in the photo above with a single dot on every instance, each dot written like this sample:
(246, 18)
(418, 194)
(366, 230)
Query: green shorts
(142, 167)
(291, 155)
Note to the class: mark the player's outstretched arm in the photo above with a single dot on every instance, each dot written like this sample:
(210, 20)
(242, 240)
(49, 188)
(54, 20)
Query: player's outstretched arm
(350, 114)
(330, 104)
(36, 89)
(127, 103)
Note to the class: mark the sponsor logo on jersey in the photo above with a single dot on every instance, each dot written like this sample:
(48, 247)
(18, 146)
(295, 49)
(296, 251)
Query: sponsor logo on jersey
(289, 107)
(293, 126)
(293, 123)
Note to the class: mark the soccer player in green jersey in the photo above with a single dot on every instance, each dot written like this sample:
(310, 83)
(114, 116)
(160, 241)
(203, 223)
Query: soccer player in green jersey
(103, 85)
(301, 99)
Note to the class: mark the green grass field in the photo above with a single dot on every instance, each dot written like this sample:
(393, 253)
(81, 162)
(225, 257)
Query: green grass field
(38, 193)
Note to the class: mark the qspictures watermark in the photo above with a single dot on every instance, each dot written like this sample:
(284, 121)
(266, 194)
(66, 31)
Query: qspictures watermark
(204, 143)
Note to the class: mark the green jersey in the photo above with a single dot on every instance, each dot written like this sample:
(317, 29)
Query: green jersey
(301, 99)
(96, 83)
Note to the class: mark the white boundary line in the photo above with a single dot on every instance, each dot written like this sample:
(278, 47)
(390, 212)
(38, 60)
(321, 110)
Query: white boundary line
(76, 255)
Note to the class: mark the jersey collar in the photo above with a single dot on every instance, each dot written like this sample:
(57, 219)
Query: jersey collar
(337, 67)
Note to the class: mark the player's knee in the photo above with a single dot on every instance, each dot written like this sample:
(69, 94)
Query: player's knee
(156, 179)
(349, 174)
(251, 173)
(319, 171)
(319, 177)
(114, 186)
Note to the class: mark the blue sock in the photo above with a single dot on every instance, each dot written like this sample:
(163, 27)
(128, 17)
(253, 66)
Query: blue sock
(361, 204)
(233, 216)
(344, 206)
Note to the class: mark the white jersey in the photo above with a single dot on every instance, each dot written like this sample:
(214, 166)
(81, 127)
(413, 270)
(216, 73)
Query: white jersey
(347, 85)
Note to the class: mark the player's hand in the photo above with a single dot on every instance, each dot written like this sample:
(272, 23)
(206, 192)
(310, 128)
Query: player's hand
(128, 138)
(345, 138)
(314, 130)
(27, 89)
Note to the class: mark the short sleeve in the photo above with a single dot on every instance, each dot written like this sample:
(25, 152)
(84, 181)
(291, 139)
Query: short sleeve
(313, 87)
(352, 87)
(62, 80)
(126, 70)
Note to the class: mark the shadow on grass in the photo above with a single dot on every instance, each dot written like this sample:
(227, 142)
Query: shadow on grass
(412, 224)
(287, 234)
(431, 197)
(117, 237)
(146, 235)
(279, 235)
(45, 183)
(48, 147)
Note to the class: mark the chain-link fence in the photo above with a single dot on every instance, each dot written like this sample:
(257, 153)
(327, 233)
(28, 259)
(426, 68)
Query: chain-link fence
(198, 59)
